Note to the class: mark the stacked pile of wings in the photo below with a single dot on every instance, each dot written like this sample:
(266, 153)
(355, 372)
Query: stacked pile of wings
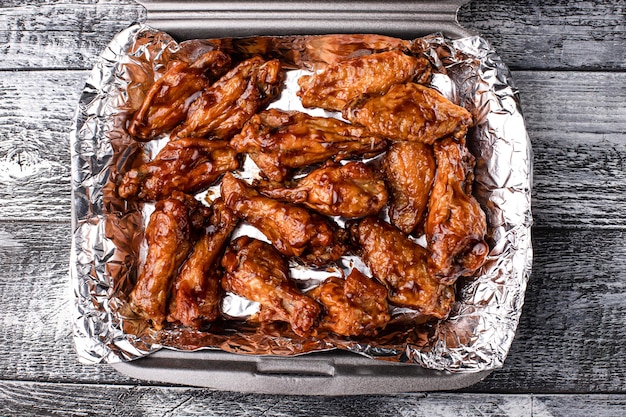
(394, 167)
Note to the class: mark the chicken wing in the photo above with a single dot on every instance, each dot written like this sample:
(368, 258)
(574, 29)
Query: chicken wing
(356, 306)
(456, 225)
(222, 109)
(338, 84)
(409, 169)
(402, 266)
(293, 230)
(168, 235)
(255, 270)
(351, 190)
(410, 112)
(168, 99)
(189, 165)
(196, 292)
(278, 141)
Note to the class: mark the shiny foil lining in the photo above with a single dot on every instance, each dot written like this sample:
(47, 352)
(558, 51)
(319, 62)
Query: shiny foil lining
(107, 232)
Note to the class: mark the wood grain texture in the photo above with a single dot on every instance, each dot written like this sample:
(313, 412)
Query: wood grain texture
(569, 339)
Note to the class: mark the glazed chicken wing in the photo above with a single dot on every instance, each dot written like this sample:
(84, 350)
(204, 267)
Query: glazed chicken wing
(256, 271)
(338, 84)
(189, 165)
(456, 225)
(168, 99)
(222, 109)
(168, 235)
(409, 112)
(356, 306)
(278, 141)
(196, 292)
(293, 230)
(409, 169)
(351, 190)
(402, 266)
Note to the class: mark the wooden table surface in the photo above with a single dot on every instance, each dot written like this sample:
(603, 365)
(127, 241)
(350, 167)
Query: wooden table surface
(569, 356)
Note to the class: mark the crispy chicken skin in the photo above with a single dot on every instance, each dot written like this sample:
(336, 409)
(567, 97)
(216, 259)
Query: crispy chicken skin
(338, 84)
(456, 225)
(351, 190)
(409, 169)
(168, 99)
(356, 306)
(402, 266)
(189, 165)
(196, 292)
(222, 109)
(168, 235)
(409, 112)
(256, 270)
(278, 141)
(293, 230)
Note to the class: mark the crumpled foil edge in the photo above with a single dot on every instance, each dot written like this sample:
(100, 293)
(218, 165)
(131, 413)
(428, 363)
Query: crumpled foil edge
(491, 304)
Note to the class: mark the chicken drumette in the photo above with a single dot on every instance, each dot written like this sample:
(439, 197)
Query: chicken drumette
(189, 165)
(168, 99)
(196, 292)
(339, 83)
(293, 230)
(402, 266)
(356, 306)
(351, 190)
(222, 109)
(456, 225)
(255, 270)
(278, 141)
(409, 112)
(409, 169)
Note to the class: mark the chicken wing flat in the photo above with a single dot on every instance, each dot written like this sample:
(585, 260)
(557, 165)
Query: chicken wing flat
(356, 306)
(351, 190)
(402, 266)
(278, 141)
(168, 99)
(256, 270)
(196, 292)
(189, 165)
(222, 109)
(293, 230)
(168, 235)
(409, 112)
(409, 169)
(338, 84)
(456, 225)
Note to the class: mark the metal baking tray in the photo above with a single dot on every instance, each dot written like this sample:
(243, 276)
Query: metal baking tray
(322, 373)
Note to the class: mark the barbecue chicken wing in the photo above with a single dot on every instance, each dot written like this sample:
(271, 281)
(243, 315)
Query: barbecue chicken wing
(196, 292)
(456, 225)
(255, 270)
(278, 141)
(351, 190)
(293, 230)
(168, 99)
(409, 112)
(168, 235)
(402, 266)
(409, 169)
(356, 306)
(222, 109)
(338, 84)
(189, 165)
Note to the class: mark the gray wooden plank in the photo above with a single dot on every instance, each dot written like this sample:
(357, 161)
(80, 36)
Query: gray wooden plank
(576, 122)
(570, 336)
(528, 34)
(38, 399)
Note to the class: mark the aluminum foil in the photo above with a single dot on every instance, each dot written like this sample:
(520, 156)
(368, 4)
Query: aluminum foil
(108, 232)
